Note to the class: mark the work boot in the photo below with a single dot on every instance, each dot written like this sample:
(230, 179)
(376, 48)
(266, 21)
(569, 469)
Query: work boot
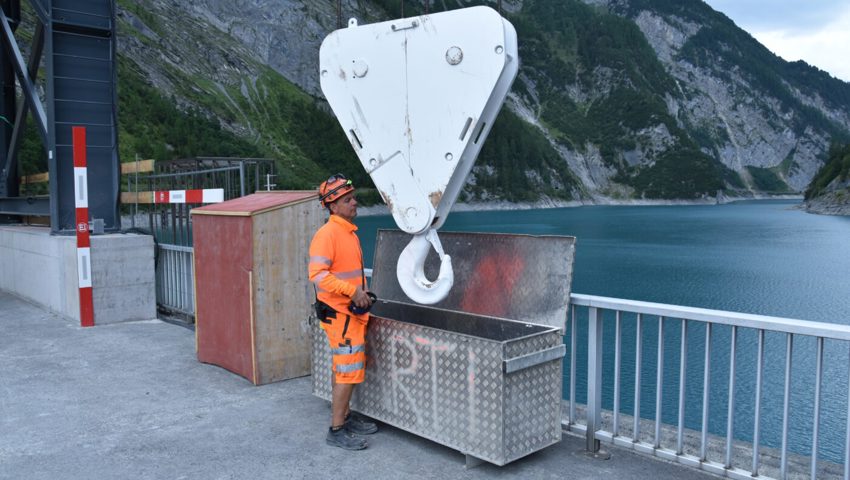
(342, 438)
(359, 425)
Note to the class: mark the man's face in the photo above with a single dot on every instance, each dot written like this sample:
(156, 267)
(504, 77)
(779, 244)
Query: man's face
(345, 207)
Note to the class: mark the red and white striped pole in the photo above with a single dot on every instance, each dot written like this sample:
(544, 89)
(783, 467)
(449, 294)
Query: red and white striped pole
(81, 202)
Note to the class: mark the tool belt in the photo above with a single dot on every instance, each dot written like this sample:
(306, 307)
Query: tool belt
(324, 311)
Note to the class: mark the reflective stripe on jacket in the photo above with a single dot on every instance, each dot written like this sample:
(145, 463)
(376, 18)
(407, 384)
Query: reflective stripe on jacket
(336, 264)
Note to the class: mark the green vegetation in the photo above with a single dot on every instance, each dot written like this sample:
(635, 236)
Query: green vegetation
(32, 159)
(721, 46)
(733, 180)
(307, 141)
(568, 42)
(609, 123)
(514, 149)
(710, 48)
(608, 56)
(767, 180)
(290, 117)
(393, 8)
(145, 15)
(589, 70)
(152, 127)
(680, 174)
(837, 166)
(565, 38)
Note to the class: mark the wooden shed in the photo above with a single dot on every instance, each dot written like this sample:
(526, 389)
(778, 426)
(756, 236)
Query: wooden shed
(252, 294)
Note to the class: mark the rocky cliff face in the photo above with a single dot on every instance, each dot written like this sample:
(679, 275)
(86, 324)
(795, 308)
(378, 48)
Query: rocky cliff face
(835, 201)
(746, 116)
(745, 126)
(696, 110)
(284, 35)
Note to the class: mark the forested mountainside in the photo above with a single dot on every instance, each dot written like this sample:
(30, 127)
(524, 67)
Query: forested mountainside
(829, 192)
(616, 99)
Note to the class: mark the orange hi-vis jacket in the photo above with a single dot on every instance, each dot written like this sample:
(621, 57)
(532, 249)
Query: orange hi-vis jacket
(336, 264)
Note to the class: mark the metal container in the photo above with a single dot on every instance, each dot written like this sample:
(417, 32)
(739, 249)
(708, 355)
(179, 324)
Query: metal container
(481, 371)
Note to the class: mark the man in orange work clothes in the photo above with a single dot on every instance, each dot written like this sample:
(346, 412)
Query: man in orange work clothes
(343, 302)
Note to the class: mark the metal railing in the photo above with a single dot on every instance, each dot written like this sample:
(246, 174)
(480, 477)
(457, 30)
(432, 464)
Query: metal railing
(724, 373)
(171, 223)
(174, 276)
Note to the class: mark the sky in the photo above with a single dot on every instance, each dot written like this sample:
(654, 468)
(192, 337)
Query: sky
(815, 31)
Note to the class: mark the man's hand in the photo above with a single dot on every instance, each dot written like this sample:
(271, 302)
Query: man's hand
(360, 298)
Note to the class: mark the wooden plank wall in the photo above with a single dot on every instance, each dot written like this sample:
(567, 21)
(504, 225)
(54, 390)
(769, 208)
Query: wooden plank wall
(283, 295)
(141, 166)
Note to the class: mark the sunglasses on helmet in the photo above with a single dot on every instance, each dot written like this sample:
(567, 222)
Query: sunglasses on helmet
(334, 178)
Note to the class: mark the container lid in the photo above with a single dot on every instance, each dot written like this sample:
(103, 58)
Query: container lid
(256, 203)
(516, 277)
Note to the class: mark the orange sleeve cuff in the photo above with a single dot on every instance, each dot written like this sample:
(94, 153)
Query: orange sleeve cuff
(349, 290)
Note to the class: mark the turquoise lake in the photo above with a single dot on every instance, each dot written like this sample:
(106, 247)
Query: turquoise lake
(761, 257)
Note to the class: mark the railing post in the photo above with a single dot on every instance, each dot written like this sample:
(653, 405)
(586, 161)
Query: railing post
(573, 368)
(713, 320)
(594, 378)
(242, 179)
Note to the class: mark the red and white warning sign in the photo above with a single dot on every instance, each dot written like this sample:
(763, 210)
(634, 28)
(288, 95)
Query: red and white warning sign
(206, 195)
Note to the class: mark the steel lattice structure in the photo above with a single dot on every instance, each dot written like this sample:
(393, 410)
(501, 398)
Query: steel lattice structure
(75, 41)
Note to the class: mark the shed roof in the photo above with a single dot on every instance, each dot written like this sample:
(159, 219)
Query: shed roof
(257, 203)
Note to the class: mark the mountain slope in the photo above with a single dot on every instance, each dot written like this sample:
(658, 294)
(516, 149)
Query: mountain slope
(675, 99)
(218, 58)
(829, 192)
(615, 99)
(207, 73)
(743, 105)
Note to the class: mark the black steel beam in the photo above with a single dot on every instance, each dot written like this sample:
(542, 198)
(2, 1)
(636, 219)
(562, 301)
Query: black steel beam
(8, 185)
(13, 12)
(78, 41)
(40, 10)
(24, 79)
(80, 65)
(9, 171)
(36, 206)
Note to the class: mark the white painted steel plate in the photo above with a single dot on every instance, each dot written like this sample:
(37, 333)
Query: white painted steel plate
(416, 98)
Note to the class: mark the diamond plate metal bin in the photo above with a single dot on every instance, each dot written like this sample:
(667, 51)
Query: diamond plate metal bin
(481, 371)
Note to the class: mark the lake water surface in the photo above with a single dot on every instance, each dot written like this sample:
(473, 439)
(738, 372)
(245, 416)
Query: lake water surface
(761, 257)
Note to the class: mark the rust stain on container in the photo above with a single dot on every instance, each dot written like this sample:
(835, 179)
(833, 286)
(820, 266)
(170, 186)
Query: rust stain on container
(387, 199)
(435, 198)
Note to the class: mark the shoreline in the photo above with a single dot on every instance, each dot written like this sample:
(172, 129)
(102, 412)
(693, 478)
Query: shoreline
(375, 210)
(833, 203)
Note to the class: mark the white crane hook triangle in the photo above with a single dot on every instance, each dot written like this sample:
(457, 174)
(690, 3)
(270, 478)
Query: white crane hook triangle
(410, 270)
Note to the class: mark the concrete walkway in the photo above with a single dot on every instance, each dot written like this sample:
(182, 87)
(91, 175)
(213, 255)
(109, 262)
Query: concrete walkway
(131, 401)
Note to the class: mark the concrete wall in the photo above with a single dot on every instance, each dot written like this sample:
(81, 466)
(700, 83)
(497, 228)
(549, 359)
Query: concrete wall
(43, 269)
(30, 265)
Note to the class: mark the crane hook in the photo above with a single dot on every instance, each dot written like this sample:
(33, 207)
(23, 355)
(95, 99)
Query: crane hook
(410, 270)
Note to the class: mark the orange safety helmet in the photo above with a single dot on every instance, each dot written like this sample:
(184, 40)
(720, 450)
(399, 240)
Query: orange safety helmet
(333, 188)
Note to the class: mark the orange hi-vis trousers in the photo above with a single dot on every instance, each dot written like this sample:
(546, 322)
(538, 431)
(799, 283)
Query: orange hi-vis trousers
(347, 337)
